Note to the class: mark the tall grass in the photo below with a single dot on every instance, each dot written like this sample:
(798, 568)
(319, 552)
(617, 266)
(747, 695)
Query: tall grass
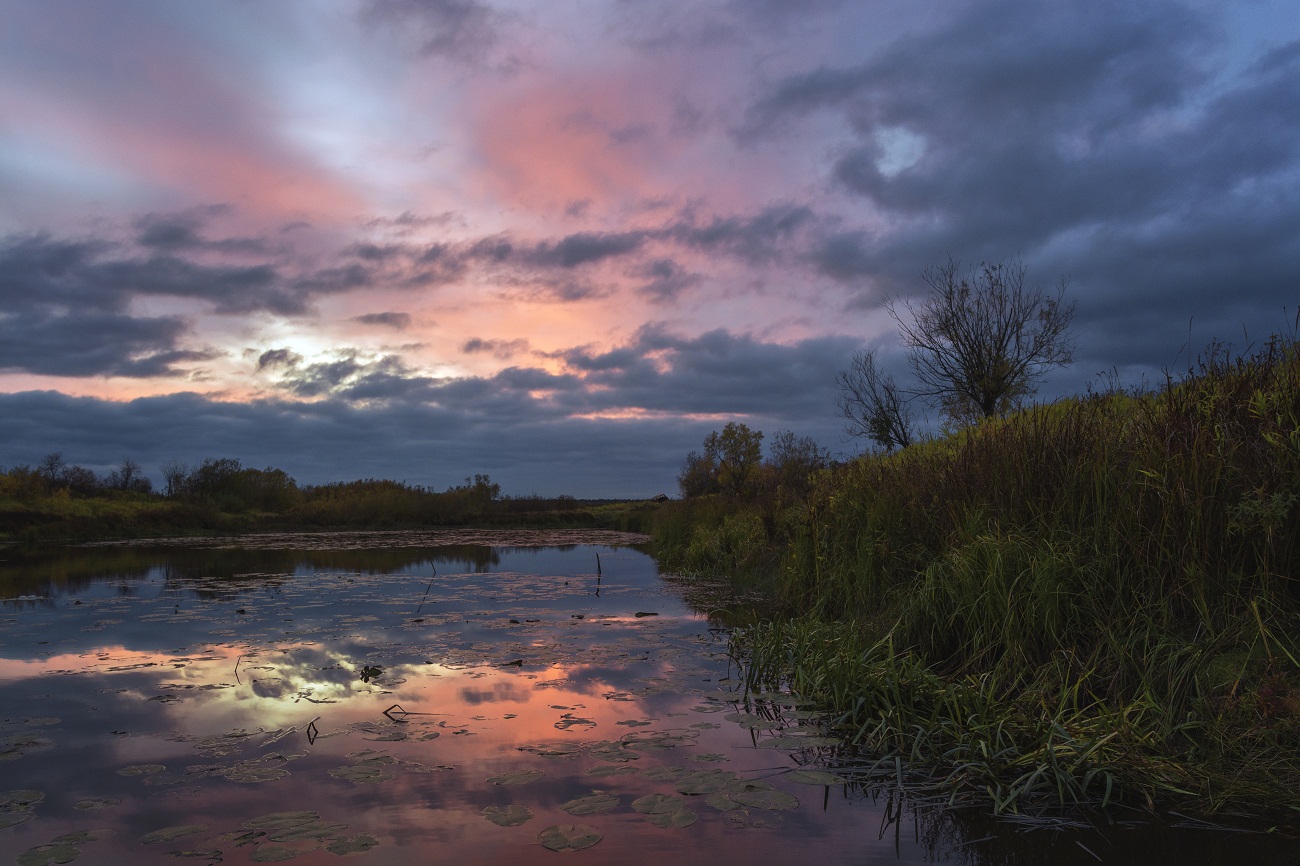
(1087, 598)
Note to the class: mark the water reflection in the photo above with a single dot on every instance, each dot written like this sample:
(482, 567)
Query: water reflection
(210, 704)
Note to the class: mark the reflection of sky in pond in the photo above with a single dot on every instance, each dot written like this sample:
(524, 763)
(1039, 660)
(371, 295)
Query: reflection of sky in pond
(190, 693)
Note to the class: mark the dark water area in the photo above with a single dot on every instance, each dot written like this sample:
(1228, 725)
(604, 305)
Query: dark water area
(477, 698)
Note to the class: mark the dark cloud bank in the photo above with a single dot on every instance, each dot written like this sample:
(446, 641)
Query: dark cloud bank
(1124, 145)
(532, 430)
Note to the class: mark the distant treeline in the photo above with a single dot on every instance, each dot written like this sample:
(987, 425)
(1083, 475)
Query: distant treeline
(56, 498)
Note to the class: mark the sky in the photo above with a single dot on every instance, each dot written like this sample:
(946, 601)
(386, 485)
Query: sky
(560, 243)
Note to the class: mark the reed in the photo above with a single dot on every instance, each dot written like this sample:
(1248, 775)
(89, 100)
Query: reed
(1086, 600)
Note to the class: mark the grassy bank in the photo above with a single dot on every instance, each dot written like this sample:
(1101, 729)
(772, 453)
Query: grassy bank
(1087, 601)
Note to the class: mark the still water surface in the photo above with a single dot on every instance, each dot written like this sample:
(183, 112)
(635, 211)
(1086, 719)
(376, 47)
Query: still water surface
(470, 698)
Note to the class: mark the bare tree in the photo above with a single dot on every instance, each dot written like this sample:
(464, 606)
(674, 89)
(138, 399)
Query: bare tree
(174, 475)
(873, 407)
(981, 341)
(130, 476)
(53, 467)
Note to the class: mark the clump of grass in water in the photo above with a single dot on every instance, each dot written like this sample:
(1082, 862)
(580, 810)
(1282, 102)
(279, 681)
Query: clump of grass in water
(1088, 600)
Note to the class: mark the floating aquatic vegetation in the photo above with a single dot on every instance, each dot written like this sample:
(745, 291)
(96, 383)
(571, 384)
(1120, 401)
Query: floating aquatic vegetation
(569, 720)
(453, 663)
(392, 736)
(673, 820)
(744, 818)
(171, 834)
(611, 770)
(553, 750)
(614, 751)
(61, 849)
(14, 746)
(508, 816)
(754, 793)
(352, 844)
(705, 782)
(309, 830)
(665, 810)
(659, 740)
(365, 773)
(252, 773)
(712, 757)
(569, 837)
(592, 804)
(96, 803)
(16, 806)
(274, 853)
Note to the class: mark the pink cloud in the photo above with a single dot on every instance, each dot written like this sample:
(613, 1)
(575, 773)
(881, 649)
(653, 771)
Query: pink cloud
(552, 143)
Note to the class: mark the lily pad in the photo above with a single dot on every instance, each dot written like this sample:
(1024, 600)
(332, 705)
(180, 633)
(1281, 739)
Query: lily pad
(554, 750)
(352, 844)
(508, 816)
(611, 770)
(20, 801)
(667, 774)
(388, 737)
(43, 855)
(765, 797)
(741, 817)
(658, 804)
(710, 757)
(569, 837)
(213, 854)
(170, 834)
(673, 820)
(519, 777)
(363, 774)
(13, 819)
(96, 803)
(273, 821)
(141, 770)
(705, 782)
(613, 752)
(254, 774)
(592, 804)
(310, 830)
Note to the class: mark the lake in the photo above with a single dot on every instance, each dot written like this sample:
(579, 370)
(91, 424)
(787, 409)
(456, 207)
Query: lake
(444, 697)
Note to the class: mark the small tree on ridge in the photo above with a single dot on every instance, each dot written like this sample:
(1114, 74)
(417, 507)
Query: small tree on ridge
(981, 341)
